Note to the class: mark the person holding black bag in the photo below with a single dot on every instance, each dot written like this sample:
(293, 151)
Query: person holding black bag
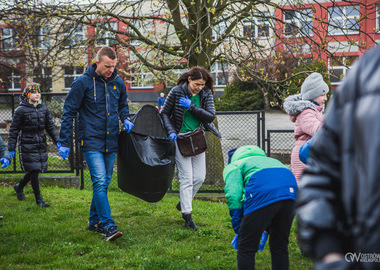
(188, 110)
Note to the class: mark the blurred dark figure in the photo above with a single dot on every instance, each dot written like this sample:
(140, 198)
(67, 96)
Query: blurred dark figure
(339, 197)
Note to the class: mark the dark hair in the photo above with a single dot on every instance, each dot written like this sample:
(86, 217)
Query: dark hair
(196, 73)
(106, 51)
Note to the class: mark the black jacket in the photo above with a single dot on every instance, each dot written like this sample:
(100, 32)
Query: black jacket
(172, 114)
(339, 197)
(28, 125)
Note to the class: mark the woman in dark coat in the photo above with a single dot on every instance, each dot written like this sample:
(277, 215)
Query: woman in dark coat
(189, 106)
(29, 121)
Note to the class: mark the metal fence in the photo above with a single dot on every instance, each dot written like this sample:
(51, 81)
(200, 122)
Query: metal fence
(279, 144)
(8, 104)
(237, 128)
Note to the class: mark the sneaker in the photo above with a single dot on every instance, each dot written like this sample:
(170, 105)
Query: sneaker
(97, 227)
(1, 216)
(112, 233)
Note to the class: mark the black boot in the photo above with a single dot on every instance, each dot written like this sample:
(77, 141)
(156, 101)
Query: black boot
(19, 192)
(40, 201)
(189, 222)
(178, 206)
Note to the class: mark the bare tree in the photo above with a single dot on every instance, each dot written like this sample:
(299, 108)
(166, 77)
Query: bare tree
(36, 47)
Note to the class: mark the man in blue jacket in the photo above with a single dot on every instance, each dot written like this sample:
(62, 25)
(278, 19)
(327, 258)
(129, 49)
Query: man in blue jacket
(100, 98)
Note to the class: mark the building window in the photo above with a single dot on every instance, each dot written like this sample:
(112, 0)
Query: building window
(298, 23)
(256, 27)
(13, 81)
(71, 73)
(377, 19)
(106, 37)
(172, 76)
(344, 20)
(9, 39)
(43, 37)
(74, 35)
(43, 76)
(143, 27)
(219, 71)
(141, 79)
(338, 68)
(219, 29)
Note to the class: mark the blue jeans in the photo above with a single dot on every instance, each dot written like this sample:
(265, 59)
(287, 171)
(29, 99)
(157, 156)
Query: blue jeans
(101, 169)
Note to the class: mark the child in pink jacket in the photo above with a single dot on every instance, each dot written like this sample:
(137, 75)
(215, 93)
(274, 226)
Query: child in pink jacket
(305, 110)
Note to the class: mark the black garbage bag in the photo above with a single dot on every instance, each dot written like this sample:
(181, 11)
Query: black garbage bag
(146, 157)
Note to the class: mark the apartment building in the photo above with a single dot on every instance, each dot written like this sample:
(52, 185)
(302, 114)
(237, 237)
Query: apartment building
(338, 32)
(335, 31)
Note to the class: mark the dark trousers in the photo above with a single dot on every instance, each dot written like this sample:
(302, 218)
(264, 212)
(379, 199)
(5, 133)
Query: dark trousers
(31, 176)
(277, 218)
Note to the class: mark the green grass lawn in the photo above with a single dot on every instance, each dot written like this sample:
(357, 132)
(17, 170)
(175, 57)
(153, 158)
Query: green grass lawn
(154, 235)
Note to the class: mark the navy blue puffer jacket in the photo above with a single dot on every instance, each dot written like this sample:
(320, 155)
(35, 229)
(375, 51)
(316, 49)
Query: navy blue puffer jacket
(100, 103)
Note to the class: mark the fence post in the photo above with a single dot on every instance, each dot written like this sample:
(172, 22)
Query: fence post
(268, 143)
(263, 130)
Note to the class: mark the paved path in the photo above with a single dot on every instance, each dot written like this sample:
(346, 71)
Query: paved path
(277, 120)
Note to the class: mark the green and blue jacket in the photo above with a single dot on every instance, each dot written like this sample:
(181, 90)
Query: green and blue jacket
(253, 180)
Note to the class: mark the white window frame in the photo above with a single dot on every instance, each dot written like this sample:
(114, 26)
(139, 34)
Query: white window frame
(74, 75)
(144, 27)
(216, 69)
(298, 21)
(377, 19)
(72, 35)
(108, 36)
(142, 76)
(11, 38)
(43, 37)
(219, 29)
(46, 76)
(342, 67)
(257, 23)
(14, 79)
(344, 18)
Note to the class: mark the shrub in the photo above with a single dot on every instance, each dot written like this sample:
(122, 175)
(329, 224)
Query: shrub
(240, 96)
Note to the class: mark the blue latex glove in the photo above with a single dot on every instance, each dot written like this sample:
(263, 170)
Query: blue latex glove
(128, 125)
(184, 102)
(5, 162)
(64, 152)
(235, 242)
(305, 150)
(263, 240)
(58, 145)
(12, 154)
(173, 136)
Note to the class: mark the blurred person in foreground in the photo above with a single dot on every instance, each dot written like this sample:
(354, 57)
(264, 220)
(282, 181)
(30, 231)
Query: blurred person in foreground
(338, 205)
